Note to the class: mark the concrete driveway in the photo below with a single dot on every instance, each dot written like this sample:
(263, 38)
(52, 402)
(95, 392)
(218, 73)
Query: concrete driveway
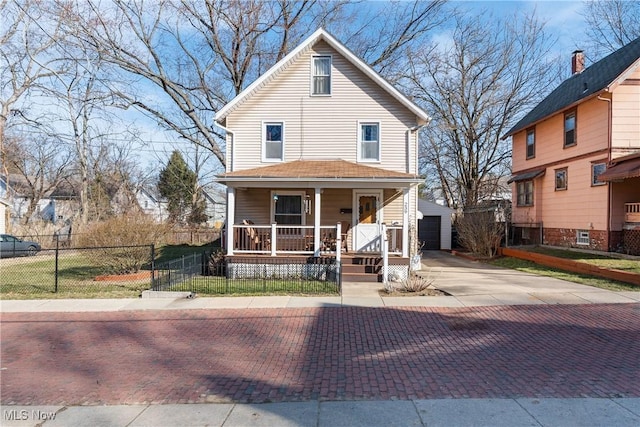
(475, 284)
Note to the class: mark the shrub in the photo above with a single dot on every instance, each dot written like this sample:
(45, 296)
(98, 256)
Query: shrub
(124, 242)
(479, 233)
(415, 283)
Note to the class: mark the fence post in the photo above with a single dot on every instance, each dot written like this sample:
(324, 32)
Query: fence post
(153, 266)
(55, 275)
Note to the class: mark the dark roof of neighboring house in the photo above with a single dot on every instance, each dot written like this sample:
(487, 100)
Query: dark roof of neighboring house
(583, 85)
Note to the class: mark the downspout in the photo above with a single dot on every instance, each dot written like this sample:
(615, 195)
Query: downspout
(230, 216)
(609, 185)
(413, 247)
(233, 145)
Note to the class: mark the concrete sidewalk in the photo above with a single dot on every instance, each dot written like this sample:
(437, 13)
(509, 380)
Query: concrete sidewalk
(468, 283)
(437, 412)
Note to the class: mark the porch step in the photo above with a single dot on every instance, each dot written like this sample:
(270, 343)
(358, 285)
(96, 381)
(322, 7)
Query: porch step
(361, 268)
(360, 277)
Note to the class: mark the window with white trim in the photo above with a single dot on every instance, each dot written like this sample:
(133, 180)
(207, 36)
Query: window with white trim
(288, 208)
(582, 237)
(273, 141)
(369, 141)
(321, 79)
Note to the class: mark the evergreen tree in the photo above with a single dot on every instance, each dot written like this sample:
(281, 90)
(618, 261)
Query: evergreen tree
(179, 185)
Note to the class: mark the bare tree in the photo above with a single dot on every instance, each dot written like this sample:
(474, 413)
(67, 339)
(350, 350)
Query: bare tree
(41, 166)
(489, 73)
(25, 59)
(197, 55)
(611, 25)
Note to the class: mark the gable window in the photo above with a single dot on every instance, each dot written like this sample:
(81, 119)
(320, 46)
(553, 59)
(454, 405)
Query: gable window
(561, 179)
(596, 170)
(570, 129)
(531, 143)
(321, 82)
(524, 190)
(288, 208)
(273, 141)
(369, 142)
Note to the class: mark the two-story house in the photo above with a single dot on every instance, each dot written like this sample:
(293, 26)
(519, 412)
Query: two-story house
(322, 158)
(576, 159)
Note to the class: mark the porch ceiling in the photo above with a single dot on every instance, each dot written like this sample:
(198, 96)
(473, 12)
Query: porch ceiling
(310, 173)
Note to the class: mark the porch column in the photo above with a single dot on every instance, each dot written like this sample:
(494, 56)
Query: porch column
(316, 222)
(405, 222)
(231, 218)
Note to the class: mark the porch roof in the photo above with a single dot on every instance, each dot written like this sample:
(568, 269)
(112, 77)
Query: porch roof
(622, 168)
(315, 171)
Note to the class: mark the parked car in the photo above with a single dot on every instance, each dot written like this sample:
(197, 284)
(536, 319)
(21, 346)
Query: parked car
(11, 246)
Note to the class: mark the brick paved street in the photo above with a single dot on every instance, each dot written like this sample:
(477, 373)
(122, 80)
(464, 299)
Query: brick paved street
(337, 353)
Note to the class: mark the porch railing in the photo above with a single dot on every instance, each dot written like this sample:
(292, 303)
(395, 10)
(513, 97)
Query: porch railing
(632, 212)
(277, 239)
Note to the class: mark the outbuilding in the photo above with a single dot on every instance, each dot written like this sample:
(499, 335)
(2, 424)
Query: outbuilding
(434, 228)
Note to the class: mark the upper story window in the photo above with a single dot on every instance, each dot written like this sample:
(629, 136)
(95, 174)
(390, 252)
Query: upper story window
(570, 129)
(321, 81)
(561, 179)
(273, 141)
(524, 190)
(369, 142)
(596, 170)
(531, 143)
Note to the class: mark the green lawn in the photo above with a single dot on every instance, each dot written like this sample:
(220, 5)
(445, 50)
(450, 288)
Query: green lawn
(601, 260)
(531, 267)
(210, 286)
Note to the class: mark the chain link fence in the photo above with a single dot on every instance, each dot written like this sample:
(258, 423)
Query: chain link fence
(87, 272)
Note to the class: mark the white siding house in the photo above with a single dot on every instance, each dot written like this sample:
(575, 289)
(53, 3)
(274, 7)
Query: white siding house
(321, 157)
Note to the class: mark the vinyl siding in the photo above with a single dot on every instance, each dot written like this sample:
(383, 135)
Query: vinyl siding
(626, 114)
(322, 127)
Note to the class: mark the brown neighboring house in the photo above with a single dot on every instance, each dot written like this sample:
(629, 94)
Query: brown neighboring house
(576, 159)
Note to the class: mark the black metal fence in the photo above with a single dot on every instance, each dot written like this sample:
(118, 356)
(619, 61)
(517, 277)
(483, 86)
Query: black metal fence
(89, 272)
(104, 272)
(210, 274)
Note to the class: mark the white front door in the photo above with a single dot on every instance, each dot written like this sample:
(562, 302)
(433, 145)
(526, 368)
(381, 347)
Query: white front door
(368, 215)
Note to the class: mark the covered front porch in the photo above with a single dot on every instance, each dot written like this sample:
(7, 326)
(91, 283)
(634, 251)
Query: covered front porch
(318, 208)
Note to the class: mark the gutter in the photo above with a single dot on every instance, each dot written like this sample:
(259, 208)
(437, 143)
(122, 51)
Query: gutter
(233, 145)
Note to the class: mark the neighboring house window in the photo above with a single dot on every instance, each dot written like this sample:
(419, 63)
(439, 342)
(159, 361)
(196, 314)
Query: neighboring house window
(582, 237)
(369, 145)
(321, 82)
(570, 129)
(524, 191)
(273, 141)
(596, 170)
(531, 143)
(287, 208)
(561, 179)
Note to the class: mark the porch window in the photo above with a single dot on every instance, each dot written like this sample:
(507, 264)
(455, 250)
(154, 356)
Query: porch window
(525, 193)
(369, 146)
(287, 209)
(321, 81)
(273, 141)
(570, 129)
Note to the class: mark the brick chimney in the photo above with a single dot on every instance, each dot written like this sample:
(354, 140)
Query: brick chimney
(577, 62)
